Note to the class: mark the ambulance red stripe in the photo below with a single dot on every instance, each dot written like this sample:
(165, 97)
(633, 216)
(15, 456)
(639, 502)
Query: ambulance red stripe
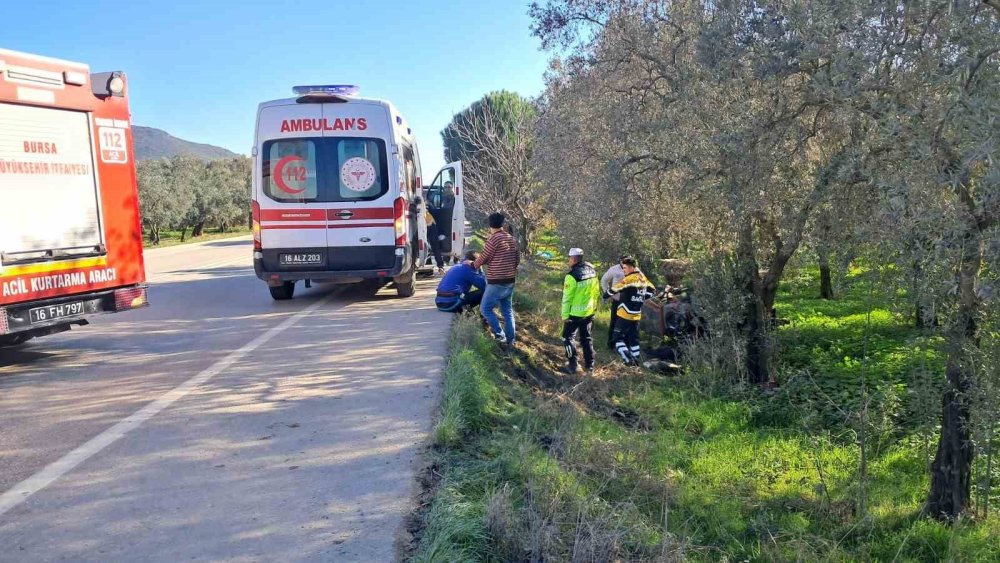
(362, 213)
(292, 215)
(280, 227)
(357, 225)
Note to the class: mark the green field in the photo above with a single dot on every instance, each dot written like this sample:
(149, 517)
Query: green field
(173, 238)
(630, 465)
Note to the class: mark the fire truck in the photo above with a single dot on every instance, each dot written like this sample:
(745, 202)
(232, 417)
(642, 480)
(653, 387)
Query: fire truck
(70, 234)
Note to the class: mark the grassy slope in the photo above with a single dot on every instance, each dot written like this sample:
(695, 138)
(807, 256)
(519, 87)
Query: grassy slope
(633, 465)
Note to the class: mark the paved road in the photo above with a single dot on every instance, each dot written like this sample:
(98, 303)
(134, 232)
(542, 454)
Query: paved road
(248, 430)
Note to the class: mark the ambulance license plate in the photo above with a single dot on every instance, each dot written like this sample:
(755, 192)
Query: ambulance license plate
(62, 311)
(307, 259)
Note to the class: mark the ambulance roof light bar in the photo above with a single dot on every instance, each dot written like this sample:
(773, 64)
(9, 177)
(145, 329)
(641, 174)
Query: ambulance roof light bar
(326, 92)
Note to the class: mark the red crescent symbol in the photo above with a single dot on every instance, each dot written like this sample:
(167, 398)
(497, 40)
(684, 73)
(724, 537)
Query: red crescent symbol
(279, 170)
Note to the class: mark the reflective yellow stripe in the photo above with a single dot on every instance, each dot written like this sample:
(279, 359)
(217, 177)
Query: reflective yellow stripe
(47, 267)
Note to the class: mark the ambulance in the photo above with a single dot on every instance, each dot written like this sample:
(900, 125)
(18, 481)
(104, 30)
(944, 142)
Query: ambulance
(338, 194)
(70, 235)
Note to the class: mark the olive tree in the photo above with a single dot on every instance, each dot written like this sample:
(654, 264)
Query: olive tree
(716, 110)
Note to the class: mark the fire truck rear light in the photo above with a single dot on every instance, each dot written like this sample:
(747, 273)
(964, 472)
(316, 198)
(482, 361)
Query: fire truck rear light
(75, 78)
(130, 298)
(116, 86)
(4, 328)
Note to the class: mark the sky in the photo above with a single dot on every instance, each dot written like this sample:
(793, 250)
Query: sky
(198, 69)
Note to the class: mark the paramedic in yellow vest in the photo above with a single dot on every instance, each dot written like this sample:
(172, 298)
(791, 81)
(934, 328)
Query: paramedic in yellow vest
(632, 292)
(581, 294)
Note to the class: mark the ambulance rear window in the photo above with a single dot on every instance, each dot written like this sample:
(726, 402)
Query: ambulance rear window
(290, 170)
(329, 169)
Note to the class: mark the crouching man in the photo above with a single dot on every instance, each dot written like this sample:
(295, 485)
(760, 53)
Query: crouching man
(461, 287)
(581, 293)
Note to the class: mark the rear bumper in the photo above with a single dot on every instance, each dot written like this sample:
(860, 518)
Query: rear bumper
(265, 270)
(18, 319)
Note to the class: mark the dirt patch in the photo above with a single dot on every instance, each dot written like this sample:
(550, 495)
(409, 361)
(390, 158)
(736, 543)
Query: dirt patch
(412, 530)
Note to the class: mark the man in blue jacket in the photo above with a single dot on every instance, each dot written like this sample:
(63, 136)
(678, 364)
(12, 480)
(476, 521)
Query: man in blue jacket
(462, 286)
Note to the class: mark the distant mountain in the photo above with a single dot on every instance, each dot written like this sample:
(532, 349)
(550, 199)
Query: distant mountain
(156, 143)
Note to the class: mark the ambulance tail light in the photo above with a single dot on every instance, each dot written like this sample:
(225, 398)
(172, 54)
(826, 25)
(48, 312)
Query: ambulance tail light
(399, 214)
(4, 326)
(255, 225)
(130, 298)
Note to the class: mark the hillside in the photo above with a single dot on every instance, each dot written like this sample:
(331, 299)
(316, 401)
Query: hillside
(156, 143)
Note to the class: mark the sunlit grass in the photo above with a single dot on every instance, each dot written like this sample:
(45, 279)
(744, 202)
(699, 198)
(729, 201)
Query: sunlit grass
(745, 476)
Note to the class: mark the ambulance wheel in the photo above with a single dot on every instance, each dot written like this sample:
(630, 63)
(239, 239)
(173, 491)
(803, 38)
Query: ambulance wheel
(283, 292)
(409, 287)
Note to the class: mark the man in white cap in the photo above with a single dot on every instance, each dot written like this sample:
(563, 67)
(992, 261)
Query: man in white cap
(581, 294)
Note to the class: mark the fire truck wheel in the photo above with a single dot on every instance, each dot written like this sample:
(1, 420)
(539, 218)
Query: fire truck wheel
(283, 292)
(409, 287)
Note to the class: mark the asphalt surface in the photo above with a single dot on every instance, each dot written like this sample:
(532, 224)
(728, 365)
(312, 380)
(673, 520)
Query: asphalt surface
(218, 424)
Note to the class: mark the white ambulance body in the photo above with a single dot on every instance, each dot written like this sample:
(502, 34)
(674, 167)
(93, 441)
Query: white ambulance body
(337, 193)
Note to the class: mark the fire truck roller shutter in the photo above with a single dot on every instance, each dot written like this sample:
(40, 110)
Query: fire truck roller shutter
(47, 182)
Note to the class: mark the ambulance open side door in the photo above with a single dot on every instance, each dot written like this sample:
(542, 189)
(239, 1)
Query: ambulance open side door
(446, 202)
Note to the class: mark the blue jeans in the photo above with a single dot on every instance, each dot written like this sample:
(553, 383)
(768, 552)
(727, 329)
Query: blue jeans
(499, 294)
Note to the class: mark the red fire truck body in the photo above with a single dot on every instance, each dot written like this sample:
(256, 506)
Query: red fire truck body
(70, 234)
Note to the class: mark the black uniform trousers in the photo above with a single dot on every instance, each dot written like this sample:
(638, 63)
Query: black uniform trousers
(583, 326)
(432, 238)
(611, 323)
(627, 340)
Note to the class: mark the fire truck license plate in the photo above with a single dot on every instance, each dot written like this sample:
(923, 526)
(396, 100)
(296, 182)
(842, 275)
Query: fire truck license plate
(310, 259)
(62, 311)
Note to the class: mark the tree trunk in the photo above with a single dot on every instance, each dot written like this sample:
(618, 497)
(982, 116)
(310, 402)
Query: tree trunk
(758, 349)
(198, 230)
(825, 280)
(154, 235)
(920, 317)
(184, 231)
(951, 472)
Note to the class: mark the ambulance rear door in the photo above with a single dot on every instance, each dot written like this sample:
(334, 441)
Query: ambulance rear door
(292, 215)
(446, 201)
(361, 191)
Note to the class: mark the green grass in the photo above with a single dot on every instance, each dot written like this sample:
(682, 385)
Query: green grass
(173, 238)
(538, 467)
(822, 358)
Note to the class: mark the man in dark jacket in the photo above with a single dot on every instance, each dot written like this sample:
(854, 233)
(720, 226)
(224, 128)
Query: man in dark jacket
(461, 287)
(633, 290)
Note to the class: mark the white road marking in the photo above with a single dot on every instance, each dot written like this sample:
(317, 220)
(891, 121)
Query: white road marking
(48, 475)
